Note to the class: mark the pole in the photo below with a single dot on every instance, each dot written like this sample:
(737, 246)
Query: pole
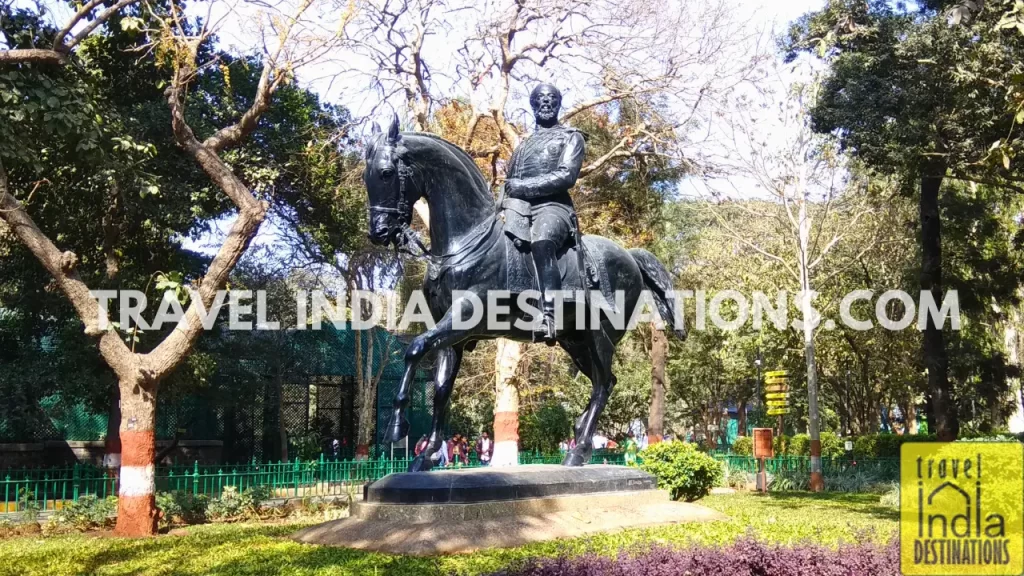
(846, 430)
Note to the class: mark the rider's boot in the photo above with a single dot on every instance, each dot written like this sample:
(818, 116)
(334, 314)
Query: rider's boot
(549, 280)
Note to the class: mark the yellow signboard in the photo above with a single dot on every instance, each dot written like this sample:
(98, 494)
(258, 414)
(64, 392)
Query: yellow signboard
(961, 508)
(777, 411)
(776, 395)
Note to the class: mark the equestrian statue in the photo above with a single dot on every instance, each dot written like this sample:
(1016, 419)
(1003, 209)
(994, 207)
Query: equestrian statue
(528, 242)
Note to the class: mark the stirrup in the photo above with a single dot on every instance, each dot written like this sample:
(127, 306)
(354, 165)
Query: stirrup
(549, 330)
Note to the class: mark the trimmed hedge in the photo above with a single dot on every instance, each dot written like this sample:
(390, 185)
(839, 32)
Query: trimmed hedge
(746, 557)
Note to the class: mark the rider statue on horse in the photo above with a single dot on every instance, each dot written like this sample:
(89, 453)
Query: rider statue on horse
(474, 254)
(542, 170)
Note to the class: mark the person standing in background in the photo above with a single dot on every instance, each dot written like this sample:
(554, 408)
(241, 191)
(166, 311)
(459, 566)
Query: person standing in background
(484, 449)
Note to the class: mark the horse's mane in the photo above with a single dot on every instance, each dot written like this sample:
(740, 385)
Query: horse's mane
(467, 160)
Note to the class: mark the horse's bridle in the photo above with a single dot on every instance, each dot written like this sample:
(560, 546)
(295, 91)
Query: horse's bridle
(406, 235)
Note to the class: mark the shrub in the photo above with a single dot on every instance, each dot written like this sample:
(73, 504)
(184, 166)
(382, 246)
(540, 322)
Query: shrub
(87, 512)
(780, 444)
(28, 505)
(885, 445)
(680, 468)
(234, 504)
(746, 556)
(743, 446)
(543, 429)
(832, 445)
(859, 481)
(181, 506)
(799, 445)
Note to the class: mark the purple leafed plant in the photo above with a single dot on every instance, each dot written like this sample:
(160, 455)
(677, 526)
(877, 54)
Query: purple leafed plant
(745, 557)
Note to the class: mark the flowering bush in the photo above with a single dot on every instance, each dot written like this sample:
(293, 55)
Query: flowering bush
(746, 557)
(682, 469)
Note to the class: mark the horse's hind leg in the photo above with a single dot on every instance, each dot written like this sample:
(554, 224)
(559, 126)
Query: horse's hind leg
(594, 359)
(448, 362)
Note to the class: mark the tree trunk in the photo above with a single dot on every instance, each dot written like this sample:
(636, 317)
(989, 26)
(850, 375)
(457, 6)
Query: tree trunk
(741, 426)
(814, 423)
(817, 483)
(945, 424)
(112, 443)
(659, 384)
(506, 403)
(136, 502)
(910, 416)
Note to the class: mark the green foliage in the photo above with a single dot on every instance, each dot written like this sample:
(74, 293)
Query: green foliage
(87, 512)
(781, 445)
(855, 480)
(799, 445)
(28, 505)
(832, 446)
(232, 504)
(542, 430)
(306, 447)
(181, 506)
(680, 468)
(885, 445)
(743, 446)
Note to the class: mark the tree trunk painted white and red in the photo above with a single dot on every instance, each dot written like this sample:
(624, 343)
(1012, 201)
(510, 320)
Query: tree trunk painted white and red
(136, 493)
(506, 403)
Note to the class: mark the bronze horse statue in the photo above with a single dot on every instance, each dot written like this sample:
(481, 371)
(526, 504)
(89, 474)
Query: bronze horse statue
(469, 256)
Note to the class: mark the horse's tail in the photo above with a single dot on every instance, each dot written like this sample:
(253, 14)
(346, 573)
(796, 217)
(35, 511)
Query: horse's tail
(659, 282)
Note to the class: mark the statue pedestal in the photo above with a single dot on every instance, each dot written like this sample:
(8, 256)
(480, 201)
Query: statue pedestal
(449, 511)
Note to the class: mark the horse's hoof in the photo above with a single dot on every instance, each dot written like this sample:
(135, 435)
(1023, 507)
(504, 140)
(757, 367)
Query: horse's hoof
(575, 460)
(420, 464)
(398, 431)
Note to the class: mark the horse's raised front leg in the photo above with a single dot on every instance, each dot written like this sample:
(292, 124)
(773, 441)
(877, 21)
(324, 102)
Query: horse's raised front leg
(441, 335)
(594, 359)
(448, 362)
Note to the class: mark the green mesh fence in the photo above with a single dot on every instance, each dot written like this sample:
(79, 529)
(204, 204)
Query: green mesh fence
(266, 386)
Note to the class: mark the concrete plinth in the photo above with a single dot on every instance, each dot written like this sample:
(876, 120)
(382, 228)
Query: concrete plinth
(574, 502)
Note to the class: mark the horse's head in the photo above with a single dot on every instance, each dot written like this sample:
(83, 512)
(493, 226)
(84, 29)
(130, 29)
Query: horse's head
(391, 199)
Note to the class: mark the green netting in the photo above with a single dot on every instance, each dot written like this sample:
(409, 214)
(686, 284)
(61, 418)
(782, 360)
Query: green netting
(266, 385)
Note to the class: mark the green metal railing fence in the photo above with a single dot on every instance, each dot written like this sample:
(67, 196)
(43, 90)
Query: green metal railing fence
(52, 488)
(885, 468)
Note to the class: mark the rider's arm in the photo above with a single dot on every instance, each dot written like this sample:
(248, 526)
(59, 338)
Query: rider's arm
(560, 179)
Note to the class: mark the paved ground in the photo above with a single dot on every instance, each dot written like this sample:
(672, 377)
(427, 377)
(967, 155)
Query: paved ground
(568, 516)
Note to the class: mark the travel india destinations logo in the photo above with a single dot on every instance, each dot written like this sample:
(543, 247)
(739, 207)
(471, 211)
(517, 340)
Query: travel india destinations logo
(962, 508)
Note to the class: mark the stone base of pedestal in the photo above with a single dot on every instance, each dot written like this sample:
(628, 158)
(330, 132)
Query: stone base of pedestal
(412, 514)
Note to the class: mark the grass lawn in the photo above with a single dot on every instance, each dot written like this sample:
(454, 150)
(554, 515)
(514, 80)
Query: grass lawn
(235, 549)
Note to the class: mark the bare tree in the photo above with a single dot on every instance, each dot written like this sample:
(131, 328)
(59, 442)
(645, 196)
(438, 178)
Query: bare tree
(600, 52)
(139, 374)
(800, 190)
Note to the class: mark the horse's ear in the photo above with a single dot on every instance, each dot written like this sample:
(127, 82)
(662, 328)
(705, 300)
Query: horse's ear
(375, 128)
(393, 130)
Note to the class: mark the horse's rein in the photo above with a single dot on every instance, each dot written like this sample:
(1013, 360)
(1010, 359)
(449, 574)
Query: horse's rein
(408, 236)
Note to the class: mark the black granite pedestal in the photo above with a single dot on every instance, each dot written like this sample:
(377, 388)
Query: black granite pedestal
(474, 485)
